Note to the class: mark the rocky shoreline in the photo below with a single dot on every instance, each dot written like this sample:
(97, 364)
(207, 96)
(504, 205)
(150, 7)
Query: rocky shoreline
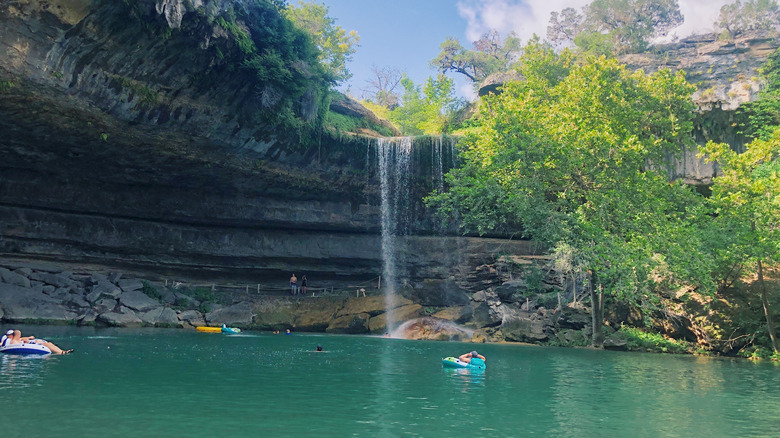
(49, 295)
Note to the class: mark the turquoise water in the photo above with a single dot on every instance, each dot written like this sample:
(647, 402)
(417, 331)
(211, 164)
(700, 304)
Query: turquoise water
(180, 383)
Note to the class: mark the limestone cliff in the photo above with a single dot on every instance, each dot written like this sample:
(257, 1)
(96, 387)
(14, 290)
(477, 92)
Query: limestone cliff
(135, 134)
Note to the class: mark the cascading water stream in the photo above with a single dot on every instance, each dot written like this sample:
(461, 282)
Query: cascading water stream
(394, 158)
(404, 180)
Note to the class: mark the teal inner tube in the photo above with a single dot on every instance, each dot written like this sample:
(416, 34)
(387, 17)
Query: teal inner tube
(453, 362)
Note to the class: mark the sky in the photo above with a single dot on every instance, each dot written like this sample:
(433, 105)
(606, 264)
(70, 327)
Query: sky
(406, 34)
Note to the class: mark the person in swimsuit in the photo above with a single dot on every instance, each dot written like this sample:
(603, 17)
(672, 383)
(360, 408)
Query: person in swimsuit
(16, 338)
(6, 338)
(467, 356)
(293, 285)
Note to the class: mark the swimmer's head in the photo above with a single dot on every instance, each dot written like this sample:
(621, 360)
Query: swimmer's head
(474, 353)
(319, 348)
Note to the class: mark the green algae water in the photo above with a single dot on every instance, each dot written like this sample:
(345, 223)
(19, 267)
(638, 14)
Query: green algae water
(181, 383)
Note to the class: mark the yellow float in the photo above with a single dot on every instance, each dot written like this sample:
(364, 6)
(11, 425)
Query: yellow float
(209, 329)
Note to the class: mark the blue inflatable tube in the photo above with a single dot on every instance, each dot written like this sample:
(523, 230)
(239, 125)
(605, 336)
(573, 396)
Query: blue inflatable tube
(25, 349)
(453, 362)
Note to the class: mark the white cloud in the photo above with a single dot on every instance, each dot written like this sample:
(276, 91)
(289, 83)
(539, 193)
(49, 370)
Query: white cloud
(528, 17)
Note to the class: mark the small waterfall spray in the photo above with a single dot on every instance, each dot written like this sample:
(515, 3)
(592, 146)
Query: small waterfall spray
(394, 159)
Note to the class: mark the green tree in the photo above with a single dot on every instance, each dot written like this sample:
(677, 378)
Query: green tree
(426, 110)
(566, 156)
(740, 17)
(747, 198)
(758, 119)
(628, 25)
(335, 44)
(489, 55)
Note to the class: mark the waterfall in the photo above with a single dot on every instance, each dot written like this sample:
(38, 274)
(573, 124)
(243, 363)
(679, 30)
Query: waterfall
(393, 156)
(406, 174)
(437, 164)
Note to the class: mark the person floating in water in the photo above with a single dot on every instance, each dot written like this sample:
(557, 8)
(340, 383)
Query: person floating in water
(319, 348)
(468, 356)
(15, 337)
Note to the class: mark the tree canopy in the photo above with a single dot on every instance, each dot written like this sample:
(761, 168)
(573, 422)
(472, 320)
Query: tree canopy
(740, 17)
(747, 201)
(336, 45)
(568, 154)
(489, 55)
(616, 26)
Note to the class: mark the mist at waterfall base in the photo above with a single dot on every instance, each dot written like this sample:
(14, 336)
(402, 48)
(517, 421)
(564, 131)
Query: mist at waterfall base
(150, 382)
(396, 167)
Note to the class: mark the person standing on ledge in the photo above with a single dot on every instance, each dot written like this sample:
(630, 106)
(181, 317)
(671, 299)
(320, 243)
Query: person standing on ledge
(468, 356)
(293, 284)
(303, 285)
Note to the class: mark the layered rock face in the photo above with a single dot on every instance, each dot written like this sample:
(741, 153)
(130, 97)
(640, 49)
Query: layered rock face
(726, 75)
(115, 153)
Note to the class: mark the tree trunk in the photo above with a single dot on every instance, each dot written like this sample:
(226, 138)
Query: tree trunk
(770, 325)
(596, 313)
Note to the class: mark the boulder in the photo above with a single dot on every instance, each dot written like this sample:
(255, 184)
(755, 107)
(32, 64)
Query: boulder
(123, 318)
(485, 315)
(378, 324)
(315, 315)
(571, 318)
(615, 342)
(354, 324)
(78, 300)
(459, 314)
(114, 277)
(88, 318)
(20, 303)
(161, 317)
(97, 278)
(525, 329)
(274, 314)
(572, 337)
(185, 300)
(434, 329)
(130, 285)
(59, 280)
(138, 300)
(192, 317)
(512, 291)
(479, 296)
(105, 304)
(104, 287)
(24, 271)
(240, 313)
(14, 278)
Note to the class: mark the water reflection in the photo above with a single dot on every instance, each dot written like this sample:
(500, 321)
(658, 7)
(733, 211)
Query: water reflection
(466, 379)
(20, 371)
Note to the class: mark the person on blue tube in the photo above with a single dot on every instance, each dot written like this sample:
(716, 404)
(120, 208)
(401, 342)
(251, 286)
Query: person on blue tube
(467, 356)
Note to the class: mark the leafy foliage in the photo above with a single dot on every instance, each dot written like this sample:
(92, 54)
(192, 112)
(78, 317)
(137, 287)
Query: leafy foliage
(614, 26)
(336, 45)
(426, 110)
(489, 55)
(740, 17)
(567, 156)
(758, 119)
(638, 340)
(747, 201)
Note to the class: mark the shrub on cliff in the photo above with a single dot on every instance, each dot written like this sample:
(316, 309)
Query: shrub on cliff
(271, 66)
